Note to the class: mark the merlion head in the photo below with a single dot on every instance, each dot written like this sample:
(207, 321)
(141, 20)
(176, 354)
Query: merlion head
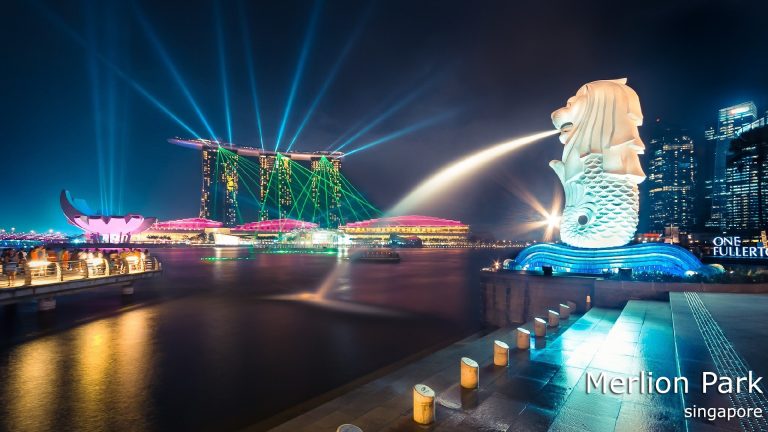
(600, 169)
(602, 118)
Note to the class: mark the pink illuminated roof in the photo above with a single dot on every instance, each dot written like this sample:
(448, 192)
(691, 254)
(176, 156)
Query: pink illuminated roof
(275, 225)
(413, 220)
(191, 224)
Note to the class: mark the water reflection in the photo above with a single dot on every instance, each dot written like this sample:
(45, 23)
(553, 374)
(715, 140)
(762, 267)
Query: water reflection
(32, 386)
(210, 342)
(98, 374)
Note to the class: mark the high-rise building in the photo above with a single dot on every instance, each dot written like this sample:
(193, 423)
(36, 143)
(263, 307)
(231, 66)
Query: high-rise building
(747, 182)
(326, 191)
(275, 186)
(218, 197)
(671, 180)
(729, 120)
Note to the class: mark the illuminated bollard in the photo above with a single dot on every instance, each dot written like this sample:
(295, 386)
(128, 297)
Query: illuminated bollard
(500, 353)
(423, 404)
(553, 318)
(470, 373)
(523, 339)
(565, 311)
(539, 327)
(589, 302)
(348, 428)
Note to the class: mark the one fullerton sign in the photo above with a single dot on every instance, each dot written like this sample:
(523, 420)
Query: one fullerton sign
(731, 247)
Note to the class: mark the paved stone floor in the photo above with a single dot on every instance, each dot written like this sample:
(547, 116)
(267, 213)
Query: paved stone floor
(725, 334)
(541, 389)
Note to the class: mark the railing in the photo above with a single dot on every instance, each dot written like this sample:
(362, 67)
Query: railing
(49, 272)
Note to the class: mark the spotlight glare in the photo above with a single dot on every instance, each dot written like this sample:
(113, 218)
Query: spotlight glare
(553, 221)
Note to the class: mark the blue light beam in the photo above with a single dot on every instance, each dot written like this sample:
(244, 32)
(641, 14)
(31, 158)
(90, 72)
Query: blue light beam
(247, 46)
(385, 115)
(331, 75)
(172, 68)
(223, 68)
(299, 69)
(58, 22)
(94, 75)
(405, 131)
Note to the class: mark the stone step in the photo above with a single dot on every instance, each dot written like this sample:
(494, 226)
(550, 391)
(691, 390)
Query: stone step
(542, 388)
(537, 374)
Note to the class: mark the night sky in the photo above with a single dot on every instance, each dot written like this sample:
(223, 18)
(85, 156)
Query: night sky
(71, 118)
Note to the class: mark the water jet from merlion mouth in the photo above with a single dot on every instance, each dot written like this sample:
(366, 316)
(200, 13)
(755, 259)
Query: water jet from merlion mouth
(456, 171)
(435, 184)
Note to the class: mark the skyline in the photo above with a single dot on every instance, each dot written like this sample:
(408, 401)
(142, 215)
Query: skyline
(475, 72)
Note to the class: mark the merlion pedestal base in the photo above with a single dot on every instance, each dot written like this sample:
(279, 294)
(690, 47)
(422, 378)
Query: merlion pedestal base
(640, 258)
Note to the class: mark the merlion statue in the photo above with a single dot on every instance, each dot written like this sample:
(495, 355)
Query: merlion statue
(600, 169)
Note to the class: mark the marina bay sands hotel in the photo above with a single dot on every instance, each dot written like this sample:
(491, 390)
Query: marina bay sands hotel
(218, 196)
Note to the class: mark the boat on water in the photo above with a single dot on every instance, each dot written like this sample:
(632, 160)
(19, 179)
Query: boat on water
(380, 256)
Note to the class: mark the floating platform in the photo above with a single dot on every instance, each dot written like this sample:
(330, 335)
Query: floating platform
(640, 258)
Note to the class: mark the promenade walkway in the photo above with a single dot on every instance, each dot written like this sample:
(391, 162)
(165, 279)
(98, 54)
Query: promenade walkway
(542, 389)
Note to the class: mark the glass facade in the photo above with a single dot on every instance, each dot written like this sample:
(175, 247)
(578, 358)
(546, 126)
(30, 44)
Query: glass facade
(326, 188)
(218, 196)
(747, 182)
(275, 182)
(729, 121)
(671, 180)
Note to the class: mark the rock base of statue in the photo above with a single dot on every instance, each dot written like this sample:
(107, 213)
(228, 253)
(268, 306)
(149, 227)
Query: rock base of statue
(655, 258)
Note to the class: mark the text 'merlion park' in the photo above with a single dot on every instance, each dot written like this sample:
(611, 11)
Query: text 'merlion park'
(330, 216)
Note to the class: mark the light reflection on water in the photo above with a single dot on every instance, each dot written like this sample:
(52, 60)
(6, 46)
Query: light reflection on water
(96, 372)
(206, 348)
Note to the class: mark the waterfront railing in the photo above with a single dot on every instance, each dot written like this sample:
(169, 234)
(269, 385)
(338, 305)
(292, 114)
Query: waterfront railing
(50, 272)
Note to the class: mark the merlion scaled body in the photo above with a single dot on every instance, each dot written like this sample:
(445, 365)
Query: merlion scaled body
(600, 169)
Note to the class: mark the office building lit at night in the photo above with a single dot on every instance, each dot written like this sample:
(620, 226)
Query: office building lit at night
(218, 197)
(747, 182)
(729, 120)
(671, 180)
(275, 180)
(326, 187)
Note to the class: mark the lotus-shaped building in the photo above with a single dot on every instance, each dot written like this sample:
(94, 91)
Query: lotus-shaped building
(108, 229)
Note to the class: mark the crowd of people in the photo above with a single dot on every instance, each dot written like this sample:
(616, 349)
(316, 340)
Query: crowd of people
(38, 259)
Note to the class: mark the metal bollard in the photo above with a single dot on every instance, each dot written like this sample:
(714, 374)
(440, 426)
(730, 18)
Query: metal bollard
(423, 404)
(539, 327)
(470, 373)
(500, 353)
(523, 338)
(348, 428)
(553, 318)
(565, 311)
